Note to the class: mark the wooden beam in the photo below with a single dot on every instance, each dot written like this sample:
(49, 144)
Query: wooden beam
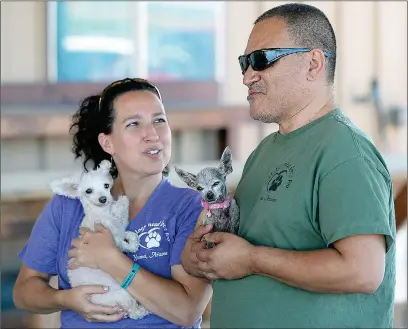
(72, 93)
(57, 124)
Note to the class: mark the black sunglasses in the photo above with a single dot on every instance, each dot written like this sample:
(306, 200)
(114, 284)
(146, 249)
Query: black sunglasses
(128, 80)
(261, 59)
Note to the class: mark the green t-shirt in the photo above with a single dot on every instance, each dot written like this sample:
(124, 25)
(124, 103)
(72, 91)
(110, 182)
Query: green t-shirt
(303, 191)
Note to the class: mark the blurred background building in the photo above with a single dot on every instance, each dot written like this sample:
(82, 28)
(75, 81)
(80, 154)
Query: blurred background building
(55, 53)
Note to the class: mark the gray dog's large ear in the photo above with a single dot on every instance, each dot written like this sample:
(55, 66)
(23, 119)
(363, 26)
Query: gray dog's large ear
(186, 177)
(226, 161)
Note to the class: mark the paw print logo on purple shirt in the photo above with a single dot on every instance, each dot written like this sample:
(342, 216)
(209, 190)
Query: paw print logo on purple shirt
(153, 239)
(150, 239)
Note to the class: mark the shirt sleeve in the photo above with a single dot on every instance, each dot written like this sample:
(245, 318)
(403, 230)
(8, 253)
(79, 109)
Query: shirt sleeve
(356, 198)
(40, 251)
(187, 220)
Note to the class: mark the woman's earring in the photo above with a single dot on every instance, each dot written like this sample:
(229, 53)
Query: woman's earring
(111, 159)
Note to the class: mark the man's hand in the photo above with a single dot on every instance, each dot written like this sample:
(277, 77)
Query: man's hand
(193, 245)
(229, 259)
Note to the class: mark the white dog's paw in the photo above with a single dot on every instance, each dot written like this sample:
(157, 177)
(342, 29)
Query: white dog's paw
(123, 201)
(118, 242)
(132, 237)
(120, 208)
(153, 240)
(138, 313)
(132, 241)
(137, 310)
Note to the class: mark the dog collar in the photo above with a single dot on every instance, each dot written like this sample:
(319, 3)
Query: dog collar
(211, 206)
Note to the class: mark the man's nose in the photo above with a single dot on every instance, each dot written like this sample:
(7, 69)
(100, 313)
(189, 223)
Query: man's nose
(250, 76)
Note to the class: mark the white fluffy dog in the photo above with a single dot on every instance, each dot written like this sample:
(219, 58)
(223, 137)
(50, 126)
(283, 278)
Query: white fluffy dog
(93, 190)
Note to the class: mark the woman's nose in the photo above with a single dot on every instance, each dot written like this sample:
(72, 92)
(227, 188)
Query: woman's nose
(151, 134)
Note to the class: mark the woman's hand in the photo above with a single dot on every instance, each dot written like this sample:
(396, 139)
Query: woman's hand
(92, 248)
(78, 299)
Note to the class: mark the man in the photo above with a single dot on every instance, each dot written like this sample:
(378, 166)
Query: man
(315, 247)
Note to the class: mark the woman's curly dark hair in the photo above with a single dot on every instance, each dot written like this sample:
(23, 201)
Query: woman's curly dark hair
(96, 115)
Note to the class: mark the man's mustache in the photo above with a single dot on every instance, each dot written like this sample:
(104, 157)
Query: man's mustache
(257, 88)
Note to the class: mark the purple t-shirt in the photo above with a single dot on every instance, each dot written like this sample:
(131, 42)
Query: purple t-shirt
(163, 225)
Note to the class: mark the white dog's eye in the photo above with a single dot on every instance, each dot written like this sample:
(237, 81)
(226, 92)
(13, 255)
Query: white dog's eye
(216, 184)
(106, 185)
(88, 191)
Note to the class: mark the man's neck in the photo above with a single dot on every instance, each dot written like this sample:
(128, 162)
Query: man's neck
(311, 111)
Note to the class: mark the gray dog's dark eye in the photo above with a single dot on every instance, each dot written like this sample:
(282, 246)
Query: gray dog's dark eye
(199, 188)
(88, 191)
(106, 185)
(216, 183)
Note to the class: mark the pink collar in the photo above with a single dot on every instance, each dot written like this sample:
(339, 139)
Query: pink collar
(210, 206)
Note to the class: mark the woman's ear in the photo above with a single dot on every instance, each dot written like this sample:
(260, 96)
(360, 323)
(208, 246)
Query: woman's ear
(105, 143)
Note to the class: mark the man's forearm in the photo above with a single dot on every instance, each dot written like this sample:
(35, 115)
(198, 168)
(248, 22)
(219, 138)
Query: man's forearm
(324, 271)
(35, 295)
(166, 298)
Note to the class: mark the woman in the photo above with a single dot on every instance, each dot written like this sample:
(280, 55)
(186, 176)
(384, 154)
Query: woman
(127, 125)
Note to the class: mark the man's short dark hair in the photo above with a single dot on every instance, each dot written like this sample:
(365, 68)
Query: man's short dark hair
(308, 27)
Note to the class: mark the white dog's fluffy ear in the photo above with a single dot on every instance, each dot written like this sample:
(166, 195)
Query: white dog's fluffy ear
(104, 165)
(186, 177)
(67, 186)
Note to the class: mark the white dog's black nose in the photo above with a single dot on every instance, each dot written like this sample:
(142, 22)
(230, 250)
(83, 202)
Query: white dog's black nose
(102, 199)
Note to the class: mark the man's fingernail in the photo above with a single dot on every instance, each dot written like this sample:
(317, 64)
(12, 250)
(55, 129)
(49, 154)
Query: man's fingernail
(106, 288)
(120, 310)
(125, 316)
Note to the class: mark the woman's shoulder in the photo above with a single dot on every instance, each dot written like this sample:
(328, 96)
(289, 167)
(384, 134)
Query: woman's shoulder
(180, 197)
(64, 201)
(178, 191)
(60, 206)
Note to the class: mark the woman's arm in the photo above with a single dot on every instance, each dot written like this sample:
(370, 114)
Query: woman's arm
(33, 293)
(181, 300)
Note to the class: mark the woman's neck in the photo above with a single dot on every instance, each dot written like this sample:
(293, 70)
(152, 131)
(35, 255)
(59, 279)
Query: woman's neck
(137, 189)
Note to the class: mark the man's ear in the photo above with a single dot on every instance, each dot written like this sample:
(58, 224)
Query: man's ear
(186, 177)
(105, 143)
(316, 64)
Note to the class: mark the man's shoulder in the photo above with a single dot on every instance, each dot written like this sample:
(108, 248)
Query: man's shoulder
(340, 130)
(341, 140)
(340, 134)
